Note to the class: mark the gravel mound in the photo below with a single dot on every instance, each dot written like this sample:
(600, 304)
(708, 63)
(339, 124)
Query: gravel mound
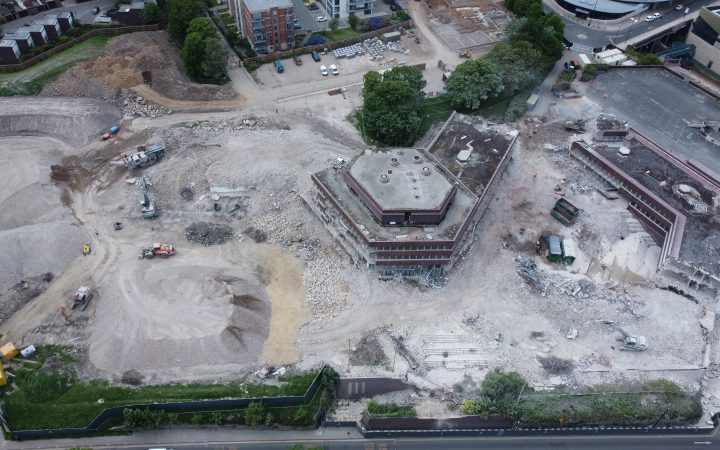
(208, 233)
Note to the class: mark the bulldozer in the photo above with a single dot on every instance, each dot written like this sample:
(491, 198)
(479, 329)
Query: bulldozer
(147, 206)
(81, 299)
(161, 250)
(629, 342)
(575, 125)
(467, 54)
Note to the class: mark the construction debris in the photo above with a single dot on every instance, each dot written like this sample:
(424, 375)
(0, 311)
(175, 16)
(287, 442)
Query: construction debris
(208, 233)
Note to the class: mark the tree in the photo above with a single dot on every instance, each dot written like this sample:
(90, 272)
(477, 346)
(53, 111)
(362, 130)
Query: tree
(334, 24)
(196, 419)
(330, 378)
(151, 14)
(353, 21)
(254, 414)
(214, 61)
(472, 83)
(204, 26)
(301, 415)
(172, 418)
(193, 54)
(519, 64)
(411, 75)
(649, 59)
(372, 80)
(499, 385)
(180, 13)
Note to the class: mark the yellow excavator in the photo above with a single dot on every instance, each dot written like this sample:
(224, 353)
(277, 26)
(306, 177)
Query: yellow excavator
(86, 249)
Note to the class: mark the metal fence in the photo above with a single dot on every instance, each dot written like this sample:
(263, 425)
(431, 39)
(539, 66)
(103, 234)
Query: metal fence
(329, 45)
(95, 425)
(106, 31)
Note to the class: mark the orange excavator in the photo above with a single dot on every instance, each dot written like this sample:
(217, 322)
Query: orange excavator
(161, 250)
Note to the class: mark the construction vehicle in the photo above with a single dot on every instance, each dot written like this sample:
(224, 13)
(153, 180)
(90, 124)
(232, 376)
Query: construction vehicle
(147, 206)
(112, 132)
(143, 157)
(467, 54)
(81, 299)
(565, 212)
(708, 129)
(629, 342)
(576, 125)
(85, 249)
(161, 250)
(8, 351)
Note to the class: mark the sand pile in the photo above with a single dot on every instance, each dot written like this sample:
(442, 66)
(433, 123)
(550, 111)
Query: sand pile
(161, 317)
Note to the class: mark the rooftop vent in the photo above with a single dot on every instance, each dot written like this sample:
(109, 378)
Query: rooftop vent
(624, 151)
(426, 171)
(417, 159)
(384, 178)
(394, 162)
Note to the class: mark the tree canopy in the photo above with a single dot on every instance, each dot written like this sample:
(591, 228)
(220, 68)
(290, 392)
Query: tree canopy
(391, 105)
(204, 26)
(472, 83)
(180, 14)
(215, 60)
(193, 54)
(151, 14)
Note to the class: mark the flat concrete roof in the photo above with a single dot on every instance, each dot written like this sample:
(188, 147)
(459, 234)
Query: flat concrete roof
(413, 182)
(488, 144)
(262, 5)
(456, 214)
(701, 240)
(659, 105)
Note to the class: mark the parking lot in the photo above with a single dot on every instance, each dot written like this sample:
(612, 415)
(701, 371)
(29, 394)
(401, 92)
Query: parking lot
(351, 68)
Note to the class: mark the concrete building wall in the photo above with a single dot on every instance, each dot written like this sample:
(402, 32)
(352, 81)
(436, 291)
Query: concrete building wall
(705, 54)
(341, 9)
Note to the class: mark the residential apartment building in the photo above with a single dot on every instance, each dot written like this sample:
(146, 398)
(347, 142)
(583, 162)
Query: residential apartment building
(267, 24)
(705, 35)
(341, 9)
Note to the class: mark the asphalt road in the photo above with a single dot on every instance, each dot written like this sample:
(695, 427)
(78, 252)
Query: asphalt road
(508, 443)
(592, 37)
(82, 11)
(307, 18)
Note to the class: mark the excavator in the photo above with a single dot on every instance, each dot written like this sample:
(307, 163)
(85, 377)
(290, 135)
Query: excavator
(629, 342)
(161, 250)
(575, 125)
(147, 206)
(143, 157)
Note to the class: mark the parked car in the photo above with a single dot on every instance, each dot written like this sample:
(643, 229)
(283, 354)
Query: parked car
(321, 19)
(657, 15)
(315, 56)
(278, 66)
(96, 10)
(323, 71)
(334, 69)
(297, 60)
(297, 25)
(649, 18)
(679, 7)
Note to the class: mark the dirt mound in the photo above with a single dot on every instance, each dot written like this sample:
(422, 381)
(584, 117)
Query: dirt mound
(128, 61)
(208, 233)
(132, 377)
(17, 296)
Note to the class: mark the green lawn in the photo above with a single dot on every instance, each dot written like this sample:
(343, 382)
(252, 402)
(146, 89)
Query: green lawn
(31, 80)
(52, 401)
(434, 110)
(342, 33)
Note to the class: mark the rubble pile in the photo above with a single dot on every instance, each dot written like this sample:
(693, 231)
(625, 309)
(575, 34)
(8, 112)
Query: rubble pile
(248, 122)
(208, 234)
(322, 279)
(136, 106)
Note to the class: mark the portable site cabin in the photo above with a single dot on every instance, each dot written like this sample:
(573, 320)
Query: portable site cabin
(568, 251)
(553, 250)
(532, 102)
(614, 60)
(584, 60)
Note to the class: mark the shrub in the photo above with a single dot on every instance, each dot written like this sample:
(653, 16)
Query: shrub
(589, 73)
(65, 39)
(254, 414)
(499, 385)
(330, 378)
(555, 365)
(216, 417)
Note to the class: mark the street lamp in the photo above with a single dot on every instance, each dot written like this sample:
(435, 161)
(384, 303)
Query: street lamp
(634, 21)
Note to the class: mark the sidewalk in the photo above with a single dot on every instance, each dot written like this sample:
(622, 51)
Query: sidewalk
(179, 435)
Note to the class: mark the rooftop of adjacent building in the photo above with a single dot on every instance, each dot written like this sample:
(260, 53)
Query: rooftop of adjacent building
(262, 5)
(681, 190)
(401, 179)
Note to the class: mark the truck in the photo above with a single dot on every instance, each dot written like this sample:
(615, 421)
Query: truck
(145, 156)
